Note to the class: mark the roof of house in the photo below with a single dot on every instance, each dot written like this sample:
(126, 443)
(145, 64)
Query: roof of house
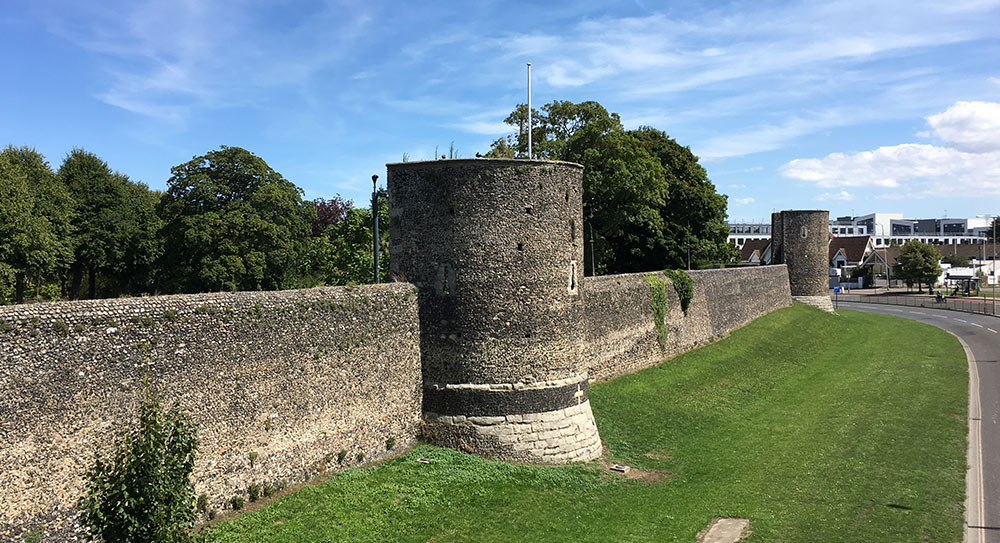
(853, 247)
(751, 245)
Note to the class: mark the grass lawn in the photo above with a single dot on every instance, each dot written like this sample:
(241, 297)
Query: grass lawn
(815, 427)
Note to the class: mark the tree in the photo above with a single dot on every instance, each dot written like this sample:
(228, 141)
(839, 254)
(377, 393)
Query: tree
(651, 203)
(233, 223)
(35, 215)
(994, 231)
(693, 207)
(957, 261)
(328, 213)
(99, 197)
(348, 257)
(918, 263)
(138, 236)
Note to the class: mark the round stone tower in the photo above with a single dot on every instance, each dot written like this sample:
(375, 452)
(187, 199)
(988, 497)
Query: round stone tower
(801, 240)
(495, 248)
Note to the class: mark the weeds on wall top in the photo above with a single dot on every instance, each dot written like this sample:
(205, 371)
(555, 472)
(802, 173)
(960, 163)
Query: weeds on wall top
(683, 286)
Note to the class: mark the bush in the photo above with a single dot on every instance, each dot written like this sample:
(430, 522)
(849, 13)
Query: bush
(143, 492)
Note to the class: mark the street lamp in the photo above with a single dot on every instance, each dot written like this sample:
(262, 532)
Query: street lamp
(375, 244)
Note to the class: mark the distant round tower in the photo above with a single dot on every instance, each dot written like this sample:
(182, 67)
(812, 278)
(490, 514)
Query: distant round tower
(801, 240)
(495, 248)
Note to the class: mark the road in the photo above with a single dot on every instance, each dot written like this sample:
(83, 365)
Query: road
(981, 336)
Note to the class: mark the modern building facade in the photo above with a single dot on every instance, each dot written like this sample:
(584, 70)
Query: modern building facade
(886, 229)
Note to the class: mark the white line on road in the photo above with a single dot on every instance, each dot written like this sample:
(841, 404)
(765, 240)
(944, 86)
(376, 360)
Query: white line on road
(992, 330)
(917, 312)
(960, 320)
(974, 324)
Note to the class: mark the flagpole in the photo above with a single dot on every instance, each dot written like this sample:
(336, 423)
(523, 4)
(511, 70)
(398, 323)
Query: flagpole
(529, 110)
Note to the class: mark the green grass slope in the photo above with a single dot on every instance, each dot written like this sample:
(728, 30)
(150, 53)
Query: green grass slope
(815, 427)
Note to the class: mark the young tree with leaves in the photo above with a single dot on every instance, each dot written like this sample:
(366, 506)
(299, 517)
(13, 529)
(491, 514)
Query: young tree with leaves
(918, 263)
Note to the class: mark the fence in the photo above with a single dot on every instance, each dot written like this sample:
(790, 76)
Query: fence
(983, 306)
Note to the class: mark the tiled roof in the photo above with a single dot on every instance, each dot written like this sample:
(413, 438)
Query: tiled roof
(853, 247)
(753, 245)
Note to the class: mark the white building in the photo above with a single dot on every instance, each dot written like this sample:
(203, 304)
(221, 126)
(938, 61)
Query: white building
(886, 229)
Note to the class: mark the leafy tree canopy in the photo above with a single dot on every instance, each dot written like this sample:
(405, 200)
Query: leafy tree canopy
(233, 223)
(650, 202)
(918, 263)
(35, 215)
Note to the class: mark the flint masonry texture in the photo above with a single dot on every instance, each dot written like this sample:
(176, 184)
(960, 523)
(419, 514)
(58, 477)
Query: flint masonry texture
(495, 249)
(800, 239)
(293, 376)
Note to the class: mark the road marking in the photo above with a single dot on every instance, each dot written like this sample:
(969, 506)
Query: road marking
(974, 324)
(975, 499)
(917, 312)
(992, 330)
(960, 320)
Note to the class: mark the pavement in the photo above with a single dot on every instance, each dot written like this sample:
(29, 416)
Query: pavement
(980, 336)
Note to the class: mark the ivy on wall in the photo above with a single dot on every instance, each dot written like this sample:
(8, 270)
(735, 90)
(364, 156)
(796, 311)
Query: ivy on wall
(683, 287)
(658, 299)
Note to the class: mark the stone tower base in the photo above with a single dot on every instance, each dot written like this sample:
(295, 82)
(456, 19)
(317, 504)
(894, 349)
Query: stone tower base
(558, 437)
(819, 302)
(552, 421)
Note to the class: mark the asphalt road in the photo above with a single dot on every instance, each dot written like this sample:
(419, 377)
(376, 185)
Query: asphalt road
(981, 335)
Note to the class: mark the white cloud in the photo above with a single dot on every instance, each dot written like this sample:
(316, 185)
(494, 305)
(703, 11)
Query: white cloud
(842, 195)
(743, 201)
(969, 126)
(754, 169)
(737, 186)
(970, 166)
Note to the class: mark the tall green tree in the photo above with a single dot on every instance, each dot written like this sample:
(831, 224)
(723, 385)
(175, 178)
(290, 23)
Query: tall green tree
(99, 196)
(138, 236)
(649, 201)
(35, 220)
(693, 208)
(918, 263)
(231, 222)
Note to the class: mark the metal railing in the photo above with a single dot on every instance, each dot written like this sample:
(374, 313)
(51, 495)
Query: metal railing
(967, 305)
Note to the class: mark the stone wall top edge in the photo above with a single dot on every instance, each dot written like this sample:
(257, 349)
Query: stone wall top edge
(805, 211)
(291, 295)
(740, 269)
(592, 279)
(482, 161)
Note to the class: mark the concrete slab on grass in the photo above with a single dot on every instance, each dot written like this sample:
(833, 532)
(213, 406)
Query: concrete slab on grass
(724, 530)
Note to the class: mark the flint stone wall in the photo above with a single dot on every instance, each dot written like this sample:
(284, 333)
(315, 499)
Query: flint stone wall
(619, 326)
(294, 376)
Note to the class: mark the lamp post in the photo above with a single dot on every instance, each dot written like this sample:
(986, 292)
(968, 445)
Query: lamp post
(375, 247)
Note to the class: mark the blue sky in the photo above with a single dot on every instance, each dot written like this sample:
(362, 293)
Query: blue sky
(846, 106)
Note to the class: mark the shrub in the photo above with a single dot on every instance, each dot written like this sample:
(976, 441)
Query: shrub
(202, 503)
(682, 285)
(236, 503)
(143, 492)
(170, 315)
(390, 443)
(253, 492)
(341, 456)
(253, 457)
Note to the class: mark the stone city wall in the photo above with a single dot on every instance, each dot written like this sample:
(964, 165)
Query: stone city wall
(290, 378)
(622, 336)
